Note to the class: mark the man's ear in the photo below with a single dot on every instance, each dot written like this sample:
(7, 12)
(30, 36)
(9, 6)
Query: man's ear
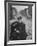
(14, 11)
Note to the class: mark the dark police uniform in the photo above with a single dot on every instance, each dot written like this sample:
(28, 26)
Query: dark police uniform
(21, 35)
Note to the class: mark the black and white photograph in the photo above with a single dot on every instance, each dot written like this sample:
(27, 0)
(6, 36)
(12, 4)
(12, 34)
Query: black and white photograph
(20, 22)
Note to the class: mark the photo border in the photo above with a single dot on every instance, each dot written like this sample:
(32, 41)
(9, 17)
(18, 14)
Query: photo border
(5, 37)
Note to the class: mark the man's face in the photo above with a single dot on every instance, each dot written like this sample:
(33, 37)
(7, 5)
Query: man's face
(17, 15)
